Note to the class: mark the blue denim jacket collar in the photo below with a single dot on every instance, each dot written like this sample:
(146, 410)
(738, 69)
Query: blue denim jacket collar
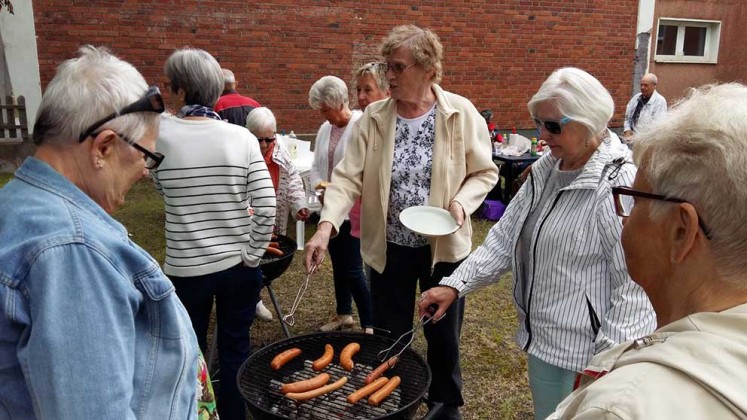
(39, 173)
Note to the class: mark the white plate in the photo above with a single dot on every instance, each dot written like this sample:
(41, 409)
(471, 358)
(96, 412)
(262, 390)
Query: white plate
(429, 221)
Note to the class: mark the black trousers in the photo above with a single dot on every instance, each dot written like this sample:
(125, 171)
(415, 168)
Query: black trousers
(236, 292)
(393, 294)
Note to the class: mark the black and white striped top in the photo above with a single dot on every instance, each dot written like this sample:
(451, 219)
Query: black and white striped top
(212, 178)
(578, 298)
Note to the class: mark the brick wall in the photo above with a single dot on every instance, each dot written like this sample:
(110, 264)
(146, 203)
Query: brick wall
(496, 53)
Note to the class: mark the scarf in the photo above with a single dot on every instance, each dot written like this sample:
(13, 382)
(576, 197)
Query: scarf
(198, 111)
(272, 167)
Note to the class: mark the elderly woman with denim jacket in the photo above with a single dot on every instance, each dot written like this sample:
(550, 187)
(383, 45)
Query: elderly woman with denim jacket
(561, 236)
(422, 146)
(91, 327)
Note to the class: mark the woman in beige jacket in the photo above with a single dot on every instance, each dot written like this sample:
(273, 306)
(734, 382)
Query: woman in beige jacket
(423, 146)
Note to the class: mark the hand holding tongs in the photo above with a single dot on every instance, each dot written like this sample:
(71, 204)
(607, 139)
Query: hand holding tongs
(426, 318)
(290, 319)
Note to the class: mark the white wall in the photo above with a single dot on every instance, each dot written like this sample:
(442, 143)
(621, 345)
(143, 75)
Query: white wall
(18, 35)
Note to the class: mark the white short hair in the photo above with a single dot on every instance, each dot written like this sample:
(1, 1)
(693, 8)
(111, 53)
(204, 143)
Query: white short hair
(330, 91)
(652, 77)
(87, 89)
(228, 77)
(577, 95)
(698, 153)
(375, 69)
(261, 119)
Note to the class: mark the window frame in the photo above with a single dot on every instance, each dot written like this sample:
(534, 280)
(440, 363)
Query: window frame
(710, 51)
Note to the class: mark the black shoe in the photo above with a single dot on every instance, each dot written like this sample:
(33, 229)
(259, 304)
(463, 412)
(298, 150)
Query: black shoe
(441, 411)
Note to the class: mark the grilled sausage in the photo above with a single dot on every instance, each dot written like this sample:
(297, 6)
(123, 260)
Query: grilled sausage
(274, 251)
(284, 358)
(305, 396)
(381, 369)
(384, 392)
(367, 390)
(325, 360)
(306, 385)
(346, 356)
(275, 244)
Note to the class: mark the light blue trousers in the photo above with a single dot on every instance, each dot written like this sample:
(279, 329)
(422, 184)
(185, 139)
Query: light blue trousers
(550, 385)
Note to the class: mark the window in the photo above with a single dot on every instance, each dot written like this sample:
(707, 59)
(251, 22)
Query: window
(687, 41)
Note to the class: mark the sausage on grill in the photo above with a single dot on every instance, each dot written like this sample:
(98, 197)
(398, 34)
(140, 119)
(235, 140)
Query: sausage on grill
(306, 385)
(325, 360)
(384, 392)
(367, 390)
(284, 357)
(381, 369)
(305, 396)
(346, 356)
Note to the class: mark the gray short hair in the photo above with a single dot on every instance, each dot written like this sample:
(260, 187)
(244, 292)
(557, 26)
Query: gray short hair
(330, 91)
(197, 73)
(699, 153)
(261, 119)
(376, 70)
(228, 77)
(652, 77)
(577, 95)
(87, 89)
(423, 44)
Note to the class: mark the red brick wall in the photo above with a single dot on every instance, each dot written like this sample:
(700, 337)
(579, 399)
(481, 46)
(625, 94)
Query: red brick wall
(496, 53)
(676, 78)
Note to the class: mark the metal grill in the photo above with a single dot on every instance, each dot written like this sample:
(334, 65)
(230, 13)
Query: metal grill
(260, 385)
(274, 266)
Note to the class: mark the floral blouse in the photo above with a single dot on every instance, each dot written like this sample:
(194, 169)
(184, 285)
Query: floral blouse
(411, 176)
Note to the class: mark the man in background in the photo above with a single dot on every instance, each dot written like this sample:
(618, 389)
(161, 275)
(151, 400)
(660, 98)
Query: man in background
(644, 107)
(231, 106)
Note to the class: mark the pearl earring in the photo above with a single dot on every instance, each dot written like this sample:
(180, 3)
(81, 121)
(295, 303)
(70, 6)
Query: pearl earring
(99, 164)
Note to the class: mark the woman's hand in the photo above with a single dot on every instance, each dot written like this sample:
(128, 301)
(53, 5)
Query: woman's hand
(303, 214)
(457, 212)
(316, 247)
(441, 296)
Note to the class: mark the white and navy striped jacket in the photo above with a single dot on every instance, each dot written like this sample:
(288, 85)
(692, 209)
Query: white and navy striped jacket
(213, 172)
(580, 299)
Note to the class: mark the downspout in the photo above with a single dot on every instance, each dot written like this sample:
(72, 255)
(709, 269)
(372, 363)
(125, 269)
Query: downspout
(643, 44)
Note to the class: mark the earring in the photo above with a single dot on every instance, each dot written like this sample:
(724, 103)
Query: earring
(99, 164)
(587, 142)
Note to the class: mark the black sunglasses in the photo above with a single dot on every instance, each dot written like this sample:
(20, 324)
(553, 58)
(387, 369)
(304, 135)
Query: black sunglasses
(267, 140)
(555, 127)
(152, 159)
(624, 211)
(151, 102)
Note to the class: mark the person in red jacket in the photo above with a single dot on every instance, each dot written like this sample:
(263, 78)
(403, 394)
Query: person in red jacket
(231, 106)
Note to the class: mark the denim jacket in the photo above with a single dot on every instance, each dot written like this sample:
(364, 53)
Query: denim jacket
(90, 328)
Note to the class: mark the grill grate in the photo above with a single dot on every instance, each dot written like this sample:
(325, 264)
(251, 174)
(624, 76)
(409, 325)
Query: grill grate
(260, 385)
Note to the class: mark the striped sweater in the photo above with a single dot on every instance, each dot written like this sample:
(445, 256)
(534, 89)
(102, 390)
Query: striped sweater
(213, 174)
(578, 298)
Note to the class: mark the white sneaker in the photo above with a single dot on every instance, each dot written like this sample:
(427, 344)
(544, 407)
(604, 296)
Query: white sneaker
(263, 314)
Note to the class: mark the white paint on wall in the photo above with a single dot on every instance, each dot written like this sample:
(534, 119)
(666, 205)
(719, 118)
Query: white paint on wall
(18, 36)
(646, 24)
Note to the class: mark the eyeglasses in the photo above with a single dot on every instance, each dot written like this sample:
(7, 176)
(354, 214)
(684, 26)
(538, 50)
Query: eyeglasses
(267, 140)
(152, 159)
(397, 68)
(555, 127)
(151, 102)
(624, 210)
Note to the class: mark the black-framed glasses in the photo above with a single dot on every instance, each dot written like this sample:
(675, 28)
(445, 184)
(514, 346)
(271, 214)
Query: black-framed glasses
(267, 140)
(555, 127)
(397, 68)
(152, 159)
(623, 210)
(151, 102)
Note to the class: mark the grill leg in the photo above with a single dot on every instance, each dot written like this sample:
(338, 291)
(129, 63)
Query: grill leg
(278, 311)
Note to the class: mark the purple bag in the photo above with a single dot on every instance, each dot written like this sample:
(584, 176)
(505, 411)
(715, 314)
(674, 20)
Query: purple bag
(492, 210)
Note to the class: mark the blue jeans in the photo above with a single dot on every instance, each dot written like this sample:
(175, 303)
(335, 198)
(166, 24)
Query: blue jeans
(236, 292)
(550, 385)
(350, 282)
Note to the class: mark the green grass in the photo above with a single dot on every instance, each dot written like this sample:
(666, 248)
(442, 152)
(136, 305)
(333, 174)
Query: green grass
(494, 368)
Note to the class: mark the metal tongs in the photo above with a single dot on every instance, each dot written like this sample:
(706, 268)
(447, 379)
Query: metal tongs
(290, 319)
(426, 318)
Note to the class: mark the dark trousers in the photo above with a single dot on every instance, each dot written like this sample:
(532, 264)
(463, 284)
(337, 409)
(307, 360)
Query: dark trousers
(350, 282)
(236, 292)
(393, 293)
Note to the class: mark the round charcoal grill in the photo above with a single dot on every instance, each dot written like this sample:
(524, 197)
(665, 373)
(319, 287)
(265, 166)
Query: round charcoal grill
(274, 266)
(260, 385)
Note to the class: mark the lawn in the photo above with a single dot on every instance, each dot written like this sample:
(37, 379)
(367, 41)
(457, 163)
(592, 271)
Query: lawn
(494, 368)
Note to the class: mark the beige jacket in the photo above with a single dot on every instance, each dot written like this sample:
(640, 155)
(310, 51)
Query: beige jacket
(463, 171)
(694, 368)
